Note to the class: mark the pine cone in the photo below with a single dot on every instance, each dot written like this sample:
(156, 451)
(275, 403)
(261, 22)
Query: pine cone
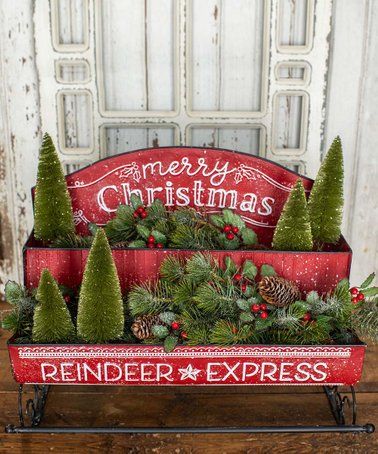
(279, 291)
(142, 326)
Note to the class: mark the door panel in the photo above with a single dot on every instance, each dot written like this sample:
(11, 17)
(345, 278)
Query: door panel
(236, 74)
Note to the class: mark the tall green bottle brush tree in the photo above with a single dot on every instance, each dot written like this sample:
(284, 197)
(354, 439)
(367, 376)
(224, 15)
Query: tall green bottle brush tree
(52, 321)
(293, 230)
(100, 313)
(53, 217)
(326, 199)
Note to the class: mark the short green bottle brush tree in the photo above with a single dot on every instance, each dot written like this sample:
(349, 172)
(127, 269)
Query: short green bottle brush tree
(326, 199)
(52, 321)
(53, 215)
(293, 230)
(100, 315)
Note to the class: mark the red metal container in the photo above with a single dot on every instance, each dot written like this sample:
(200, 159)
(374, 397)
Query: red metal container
(208, 179)
(146, 365)
(310, 270)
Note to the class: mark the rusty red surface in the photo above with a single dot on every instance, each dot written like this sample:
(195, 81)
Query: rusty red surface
(204, 178)
(210, 180)
(310, 270)
(189, 366)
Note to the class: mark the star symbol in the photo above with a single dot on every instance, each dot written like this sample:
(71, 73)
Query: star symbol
(189, 372)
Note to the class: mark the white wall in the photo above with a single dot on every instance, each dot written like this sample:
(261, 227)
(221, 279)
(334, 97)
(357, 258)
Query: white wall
(352, 113)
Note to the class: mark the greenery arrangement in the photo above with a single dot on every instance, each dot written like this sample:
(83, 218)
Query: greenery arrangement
(195, 301)
(155, 226)
(138, 226)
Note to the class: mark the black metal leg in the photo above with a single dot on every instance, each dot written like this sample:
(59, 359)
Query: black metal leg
(35, 410)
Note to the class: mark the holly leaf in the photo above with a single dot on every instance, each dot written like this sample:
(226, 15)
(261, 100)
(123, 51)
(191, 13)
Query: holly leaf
(137, 244)
(167, 317)
(159, 237)
(170, 343)
(217, 220)
(233, 219)
(248, 291)
(312, 297)
(369, 292)
(228, 244)
(368, 281)
(231, 267)
(249, 237)
(249, 270)
(246, 317)
(160, 331)
(136, 201)
(92, 227)
(143, 231)
(14, 292)
(267, 270)
(243, 304)
(262, 324)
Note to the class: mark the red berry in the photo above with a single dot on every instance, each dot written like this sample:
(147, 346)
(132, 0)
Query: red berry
(143, 215)
(306, 317)
(235, 229)
(238, 277)
(230, 236)
(67, 298)
(135, 214)
(140, 210)
(243, 287)
(360, 296)
(263, 307)
(227, 228)
(175, 325)
(151, 239)
(151, 245)
(255, 307)
(160, 245)
(354, 291)
(234, 330)
(355, 300)
(264, 314)
(184, 335)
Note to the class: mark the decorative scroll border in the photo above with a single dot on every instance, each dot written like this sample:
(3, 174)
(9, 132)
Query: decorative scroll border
(181, 352)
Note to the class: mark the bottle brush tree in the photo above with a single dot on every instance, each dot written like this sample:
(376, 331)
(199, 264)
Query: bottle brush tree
(100, 313)
(326, 198)
(53, 216)
(293, 230)
(52, 321)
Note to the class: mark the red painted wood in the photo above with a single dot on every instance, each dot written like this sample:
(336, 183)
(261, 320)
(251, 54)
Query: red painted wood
(208, 179)
(311, 270)
(188, 366)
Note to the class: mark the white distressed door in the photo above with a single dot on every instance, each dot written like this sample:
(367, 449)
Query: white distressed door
(247, 75)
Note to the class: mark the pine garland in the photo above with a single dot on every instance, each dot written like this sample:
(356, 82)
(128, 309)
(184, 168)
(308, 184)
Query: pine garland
(200, 301)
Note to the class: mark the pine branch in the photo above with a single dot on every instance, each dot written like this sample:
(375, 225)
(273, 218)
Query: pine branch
(123, 227)
(148, 299)
(228, 333)
(72, 241)
(365, 320)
